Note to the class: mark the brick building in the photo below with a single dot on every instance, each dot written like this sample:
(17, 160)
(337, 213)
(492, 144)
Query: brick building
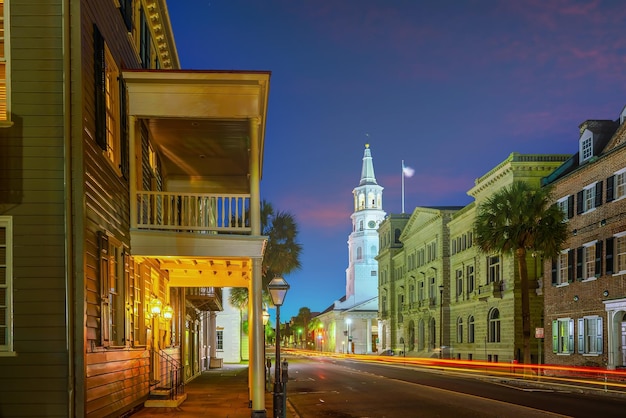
(585, 308)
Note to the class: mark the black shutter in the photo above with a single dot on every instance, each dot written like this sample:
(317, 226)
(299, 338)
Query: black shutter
(570, 266)
(598, 194)
(99, 84)
(610, 182)
(599, 259)
(124, 151)
(579, 202)
(609, 256)
(579, 263)
(554, 275)
(570, 206)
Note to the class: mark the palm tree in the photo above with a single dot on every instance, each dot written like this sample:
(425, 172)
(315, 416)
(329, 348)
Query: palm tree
(522, 220)
(282, 252)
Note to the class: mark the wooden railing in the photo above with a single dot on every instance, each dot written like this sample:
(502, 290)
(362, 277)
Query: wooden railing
(171, 379)
(194, 212)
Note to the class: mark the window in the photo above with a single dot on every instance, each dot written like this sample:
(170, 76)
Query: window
(220, 340)
(589, 261)
(493, 270)
(459, 330)
(470, 279)
(616, 254)
(563, 336)
(616, 186)
(590, 335)
(420, 291)
(586, 147)
(113, 280)
(562, 268)
(359, 253)
(566, 204)
(421, 338)
(126, 8)
(145, 41)
(6, 284)
(459, 282)
(431, 290)
(470, 329)
(412, 294)
(5, 70)
(589, 198)
(109, 104)
(432, 251)
(494, 326)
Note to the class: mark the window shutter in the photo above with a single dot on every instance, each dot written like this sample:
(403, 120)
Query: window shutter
(579, 202)
(555, 336)
(105, 287)
(598, 194)
(610, 182)
(570, 206)
(99, 70)
(599, 335)
(554, 274)
(570, 266)
(570, 334)
(599, 258)
(609, 256)
(581, 335)
(579, 263)
(124, 151)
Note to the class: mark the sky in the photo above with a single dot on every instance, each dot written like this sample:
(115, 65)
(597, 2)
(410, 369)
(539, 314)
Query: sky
(450, 87)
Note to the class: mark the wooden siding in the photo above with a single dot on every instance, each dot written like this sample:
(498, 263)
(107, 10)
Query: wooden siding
(32, 192)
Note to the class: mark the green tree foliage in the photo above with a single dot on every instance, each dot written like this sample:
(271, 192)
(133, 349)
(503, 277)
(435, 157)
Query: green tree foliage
(521, 220)
(301, 323)
(282, 252)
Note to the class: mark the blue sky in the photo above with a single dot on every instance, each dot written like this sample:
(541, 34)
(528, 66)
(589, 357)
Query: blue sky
(450, 87)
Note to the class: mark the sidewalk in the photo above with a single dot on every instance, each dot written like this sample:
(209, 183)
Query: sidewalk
(216, 393)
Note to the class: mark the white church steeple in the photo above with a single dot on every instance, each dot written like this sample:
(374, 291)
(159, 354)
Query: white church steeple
(362, 271)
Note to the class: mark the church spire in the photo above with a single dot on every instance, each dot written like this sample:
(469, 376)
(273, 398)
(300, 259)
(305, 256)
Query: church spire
(367, 172)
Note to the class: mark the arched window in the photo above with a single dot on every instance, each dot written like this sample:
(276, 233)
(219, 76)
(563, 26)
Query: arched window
(459, 330)
(470, 329)
(494, 326)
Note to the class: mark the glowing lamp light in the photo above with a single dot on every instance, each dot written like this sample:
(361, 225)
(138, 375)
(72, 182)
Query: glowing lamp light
(168, 312)
(278, 288)
(266, 316)
(155, 306)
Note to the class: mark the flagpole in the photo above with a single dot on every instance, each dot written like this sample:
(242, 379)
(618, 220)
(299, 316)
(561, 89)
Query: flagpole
(402, 174)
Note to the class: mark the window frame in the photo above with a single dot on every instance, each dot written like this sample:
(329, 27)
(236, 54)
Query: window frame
(494, 269)
(563, 343)
(7, 349)
(590, 335)
(494, 329)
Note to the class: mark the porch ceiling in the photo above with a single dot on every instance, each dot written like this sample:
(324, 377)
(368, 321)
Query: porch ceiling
(206, 272)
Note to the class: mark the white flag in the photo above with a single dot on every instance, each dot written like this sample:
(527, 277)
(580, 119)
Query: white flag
(407, 171)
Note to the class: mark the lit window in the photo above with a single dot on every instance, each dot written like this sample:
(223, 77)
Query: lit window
(113, 280)
(589, 261)
(563, 336)
(616, 186)
(6, 285)
(586, 148)
(590, 335)
(589, 198)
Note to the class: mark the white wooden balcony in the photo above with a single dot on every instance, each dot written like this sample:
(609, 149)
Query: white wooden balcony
(202, 213)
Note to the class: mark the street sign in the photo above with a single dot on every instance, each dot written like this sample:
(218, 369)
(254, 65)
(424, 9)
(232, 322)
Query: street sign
(538, 332)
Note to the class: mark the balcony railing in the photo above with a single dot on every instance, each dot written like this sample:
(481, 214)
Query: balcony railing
(195, 212)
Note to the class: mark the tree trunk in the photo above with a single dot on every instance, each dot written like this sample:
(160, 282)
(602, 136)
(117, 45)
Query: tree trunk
(523, 274)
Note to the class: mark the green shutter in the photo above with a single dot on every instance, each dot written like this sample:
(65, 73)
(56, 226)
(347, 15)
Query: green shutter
(555, 336)
(570, 335)
(581, 335)
(599, 335)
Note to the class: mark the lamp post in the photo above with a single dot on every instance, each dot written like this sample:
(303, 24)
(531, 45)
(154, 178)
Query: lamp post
(440, 321)
(278, 288)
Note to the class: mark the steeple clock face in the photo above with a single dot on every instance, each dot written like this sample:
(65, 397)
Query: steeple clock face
(371, 224)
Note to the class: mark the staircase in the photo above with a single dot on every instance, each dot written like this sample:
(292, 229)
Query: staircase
(167, 388)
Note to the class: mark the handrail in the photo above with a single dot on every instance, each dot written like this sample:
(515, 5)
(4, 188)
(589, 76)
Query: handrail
(171, 372)
(196, 212)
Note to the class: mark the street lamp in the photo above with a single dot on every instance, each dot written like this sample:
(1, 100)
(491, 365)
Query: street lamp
(278, 288)
(440, 321)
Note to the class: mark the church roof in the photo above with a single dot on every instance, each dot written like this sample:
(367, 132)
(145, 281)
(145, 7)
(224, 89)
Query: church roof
(367, 172)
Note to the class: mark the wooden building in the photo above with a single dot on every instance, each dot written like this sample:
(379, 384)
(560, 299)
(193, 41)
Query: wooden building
(129, 196)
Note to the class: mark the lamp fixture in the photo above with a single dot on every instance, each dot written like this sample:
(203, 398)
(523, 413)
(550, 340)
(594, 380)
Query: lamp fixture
(576, 298)
(168, 312)
(278, 288)
(155, 306)
(605, 293)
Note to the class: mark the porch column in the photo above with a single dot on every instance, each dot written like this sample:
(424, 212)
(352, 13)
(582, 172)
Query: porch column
(132, 168)
(255, 304)
(212, 335)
